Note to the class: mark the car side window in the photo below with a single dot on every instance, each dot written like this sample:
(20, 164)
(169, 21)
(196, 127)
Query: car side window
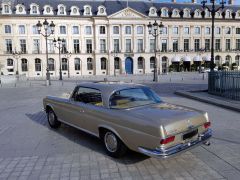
(88, 96)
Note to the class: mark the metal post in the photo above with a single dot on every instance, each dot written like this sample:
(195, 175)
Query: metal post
(48, 83)
(155, 76)
(212, 45)
(60, 62)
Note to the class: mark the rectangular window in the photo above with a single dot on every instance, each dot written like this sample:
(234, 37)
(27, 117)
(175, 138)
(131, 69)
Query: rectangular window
(77, 64)
(228, 44)
(128, 45)
(34, 29)
(63, 30)
(21, 29)
(64, 64)
(217, 44)
(88, 30)
(23, 46)
(175, 30)
(75, 30)
(139, 30)
(140, 45)
(8, 29)
(207, 30)
(152, 45)
(50, 46)
(102, 30)
(64, 46)
(128, 30)
(6, 9)
(115, 29)
(175, 45)
(186, 45)
(36, 46)
(237, 30)
(103, 45)
(89, 45)
(186, 30)
(197, 30)
(238, 44)
(196, 45)
(76, 46)
(164, 45)
(207, 44)
(116, 45)
(8, 46)
(38, 65)
(164, 30)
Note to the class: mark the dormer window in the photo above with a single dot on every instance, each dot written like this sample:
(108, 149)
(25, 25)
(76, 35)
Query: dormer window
(152, 11)
(237, 14)
(6, 9)
(74, 10)
(34, 9)
(61, 10)
(87, 10)
(228, 14)
(207, 14)
(48, 10)
(101, 10)
(197, 13)
(186, 13)
(164, 12)
(175, 13)
(20, 9)
(218, 15)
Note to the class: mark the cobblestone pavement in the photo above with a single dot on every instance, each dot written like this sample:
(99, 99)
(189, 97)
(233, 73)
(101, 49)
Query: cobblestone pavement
(29, 149)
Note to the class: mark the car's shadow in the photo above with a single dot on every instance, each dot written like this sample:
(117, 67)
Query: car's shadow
(85, 139)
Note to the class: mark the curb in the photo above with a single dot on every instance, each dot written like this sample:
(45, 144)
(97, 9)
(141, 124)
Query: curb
(219, 103)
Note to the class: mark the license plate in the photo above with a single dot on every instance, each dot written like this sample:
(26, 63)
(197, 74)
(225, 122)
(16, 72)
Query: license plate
(190, 134)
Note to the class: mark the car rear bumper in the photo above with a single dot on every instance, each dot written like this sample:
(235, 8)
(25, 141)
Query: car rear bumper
(164, 153)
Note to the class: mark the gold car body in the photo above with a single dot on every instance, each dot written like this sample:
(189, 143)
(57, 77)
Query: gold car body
(140, 128)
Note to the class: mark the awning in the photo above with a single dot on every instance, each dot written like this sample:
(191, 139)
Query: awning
(207, 58)
(176, 59)
(197, 58)
(186, 59)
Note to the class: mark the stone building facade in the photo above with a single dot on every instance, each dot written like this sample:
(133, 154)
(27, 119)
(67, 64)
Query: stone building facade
(111, 37)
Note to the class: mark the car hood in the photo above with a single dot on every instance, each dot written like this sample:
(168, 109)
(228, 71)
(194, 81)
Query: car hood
(173, 118)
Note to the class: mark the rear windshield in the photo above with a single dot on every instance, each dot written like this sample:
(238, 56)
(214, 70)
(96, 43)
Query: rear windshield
(134, 97)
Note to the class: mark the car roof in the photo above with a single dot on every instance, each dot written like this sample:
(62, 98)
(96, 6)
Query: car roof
(109, 87)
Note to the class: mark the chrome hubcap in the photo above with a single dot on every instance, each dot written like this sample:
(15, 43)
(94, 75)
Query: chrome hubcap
(51, 118)
(110, 141)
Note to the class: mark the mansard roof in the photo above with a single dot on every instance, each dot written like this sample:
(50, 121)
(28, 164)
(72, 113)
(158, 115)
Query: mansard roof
(113, 6)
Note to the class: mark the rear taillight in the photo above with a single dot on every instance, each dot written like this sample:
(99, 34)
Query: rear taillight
(207, 125)
(167, 140)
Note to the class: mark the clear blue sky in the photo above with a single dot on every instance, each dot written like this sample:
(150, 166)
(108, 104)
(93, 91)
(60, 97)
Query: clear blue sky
(236, 1)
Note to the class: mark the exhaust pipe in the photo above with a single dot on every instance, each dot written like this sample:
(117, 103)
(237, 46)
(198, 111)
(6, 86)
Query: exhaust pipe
(207, 143)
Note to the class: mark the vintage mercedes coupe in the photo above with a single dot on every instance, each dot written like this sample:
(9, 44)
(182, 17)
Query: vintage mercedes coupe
(129, 116)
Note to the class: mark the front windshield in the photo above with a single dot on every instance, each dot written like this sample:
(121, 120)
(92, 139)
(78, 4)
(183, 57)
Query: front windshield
(134, 97)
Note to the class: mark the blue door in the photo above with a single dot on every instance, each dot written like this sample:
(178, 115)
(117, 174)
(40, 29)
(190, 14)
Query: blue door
(129, 65)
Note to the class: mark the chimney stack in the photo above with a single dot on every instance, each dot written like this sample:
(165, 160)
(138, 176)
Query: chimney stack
(194, 1)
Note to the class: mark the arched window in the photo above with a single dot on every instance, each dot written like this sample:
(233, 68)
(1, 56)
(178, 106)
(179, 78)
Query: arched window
(77, 64)
(64, 64)
(9, 62)
(217, 60)
(186, 13)
(24, 65)
(140, 63)
(51, 64)
(152, 62)
(116, 63)
(228, 60)
(228, 30)
(164, 12)
(89, 64)
(38, 64)
(87, 10)
(237, 60)
(207, 13)
(103, 63)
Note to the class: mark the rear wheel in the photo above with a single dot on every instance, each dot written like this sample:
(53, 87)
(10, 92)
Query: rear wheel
(113, 145)
(52, 119)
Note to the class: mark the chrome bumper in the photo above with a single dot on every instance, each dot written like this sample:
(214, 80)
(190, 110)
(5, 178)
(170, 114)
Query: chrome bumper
(164, 153)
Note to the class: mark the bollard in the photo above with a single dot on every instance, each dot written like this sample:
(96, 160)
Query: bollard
(203, 77)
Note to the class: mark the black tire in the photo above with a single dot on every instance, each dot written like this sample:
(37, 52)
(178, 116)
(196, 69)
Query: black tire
(118, 149)
(52, 119)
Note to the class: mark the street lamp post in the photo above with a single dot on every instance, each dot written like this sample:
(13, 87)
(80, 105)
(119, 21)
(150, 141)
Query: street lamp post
(16, 55)
(213, 11)
(153, 30)
(67, 55)
(46, 34)
(59, 44)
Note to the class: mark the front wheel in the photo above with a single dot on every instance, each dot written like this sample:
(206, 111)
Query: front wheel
(52, 119)
(113, 145)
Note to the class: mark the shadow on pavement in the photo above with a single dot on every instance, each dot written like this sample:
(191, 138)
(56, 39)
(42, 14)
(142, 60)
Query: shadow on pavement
(85, 139)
